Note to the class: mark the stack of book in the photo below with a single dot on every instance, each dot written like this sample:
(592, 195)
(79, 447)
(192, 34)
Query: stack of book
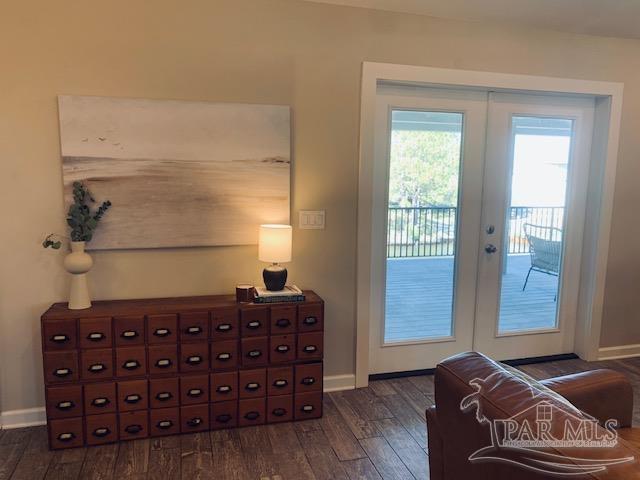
(290, 293)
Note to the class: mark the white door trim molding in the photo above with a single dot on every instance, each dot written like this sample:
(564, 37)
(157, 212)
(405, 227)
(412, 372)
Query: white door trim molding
(605, 150)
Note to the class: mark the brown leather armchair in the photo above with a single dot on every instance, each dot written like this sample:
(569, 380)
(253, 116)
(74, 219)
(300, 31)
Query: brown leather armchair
(477, 402)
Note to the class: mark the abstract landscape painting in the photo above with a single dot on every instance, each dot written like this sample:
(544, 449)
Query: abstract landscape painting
(178, 173)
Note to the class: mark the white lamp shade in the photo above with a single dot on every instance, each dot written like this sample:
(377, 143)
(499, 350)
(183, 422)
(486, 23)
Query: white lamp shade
(274, 243)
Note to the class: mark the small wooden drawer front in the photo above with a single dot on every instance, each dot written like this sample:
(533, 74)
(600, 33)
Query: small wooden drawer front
(162, 329)
(282, 348)
(59, 334)
(280, 408)
(101, 429)
(194, 326)
(64, 402)
(194, 357)
(310, 346)
(194, 389)
(164, 421)
(224, 323)
(61, 366)
(224, 386)
(310, 318)
(130, 361)
(194, 418)
(224, 415)
(134, 425)
(283, 319)
(224, 355)
(132, 395)
(164, 392)
(254, 321)
(279, 381)
(252, 383)
(307, 405)
(100, 398)
(251, 411)
(129, 330)
(66, 433)
(309, 377)
(163, 359)
(96, 364)
(255, 351)
(95, 333)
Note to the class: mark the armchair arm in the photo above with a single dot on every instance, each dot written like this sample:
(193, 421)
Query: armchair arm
(603, 394)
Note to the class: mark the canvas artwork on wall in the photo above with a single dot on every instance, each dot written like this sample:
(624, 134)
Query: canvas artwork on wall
(178, 173)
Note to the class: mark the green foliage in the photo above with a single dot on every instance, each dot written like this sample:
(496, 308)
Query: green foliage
(49, 242)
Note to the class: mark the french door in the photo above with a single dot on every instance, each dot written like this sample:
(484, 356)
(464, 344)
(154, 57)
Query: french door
(478, 205)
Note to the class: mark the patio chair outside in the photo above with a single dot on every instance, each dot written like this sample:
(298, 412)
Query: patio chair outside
(545, 248)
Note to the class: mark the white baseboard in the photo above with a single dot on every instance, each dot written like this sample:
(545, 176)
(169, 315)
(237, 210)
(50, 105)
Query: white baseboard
(28, 417)
(333, 383)
(618, 352)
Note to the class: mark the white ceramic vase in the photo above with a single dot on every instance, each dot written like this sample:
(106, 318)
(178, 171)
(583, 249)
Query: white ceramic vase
(78, 263)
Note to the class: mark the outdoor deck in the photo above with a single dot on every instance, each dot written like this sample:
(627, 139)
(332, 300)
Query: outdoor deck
(419, 297)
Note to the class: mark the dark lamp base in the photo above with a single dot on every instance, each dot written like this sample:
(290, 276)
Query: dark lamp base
(274, 278)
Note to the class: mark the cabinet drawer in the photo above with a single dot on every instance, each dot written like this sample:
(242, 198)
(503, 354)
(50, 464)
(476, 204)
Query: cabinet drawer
(129, 330)
(66, 433)
(283, 319)
(280, 381)
(282, 348)
(130, 361)
(310, 317)
(194, 357)
(254, 321)
(96, 364)
(162, 329)
(224, 386)
(163, 358)
(194, 389)
(59, 334)
(61, 366)
(194, 326)
(100, 398)
(280, 409)
(224, 415)
(95, 332)
(310, 346)
(224, 355)
(134, 425)
(251, 412)
(309, 377)
(101, 429)
(164, 392)
(252, 383)
(194, 418)
(164, 421)
(224, 323)
(64, 402)
(132, 395)
(307, 405)
(255, 351)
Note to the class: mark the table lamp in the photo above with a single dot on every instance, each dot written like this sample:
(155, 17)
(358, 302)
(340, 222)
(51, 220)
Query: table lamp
(274, 247)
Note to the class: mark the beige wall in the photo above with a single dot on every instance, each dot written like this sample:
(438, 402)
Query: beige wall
(279, 51)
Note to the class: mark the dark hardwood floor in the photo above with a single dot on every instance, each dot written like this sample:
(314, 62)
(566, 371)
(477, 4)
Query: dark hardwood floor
(371, 433)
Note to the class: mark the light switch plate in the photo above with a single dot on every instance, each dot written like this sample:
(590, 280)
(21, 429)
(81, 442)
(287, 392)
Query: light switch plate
(311, 219)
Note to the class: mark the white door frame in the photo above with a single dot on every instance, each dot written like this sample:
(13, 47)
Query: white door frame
(604, 158)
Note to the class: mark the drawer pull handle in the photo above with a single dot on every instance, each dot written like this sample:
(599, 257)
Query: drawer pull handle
(61, 338)
(224, 327)
(97, 367)
(95, 336)
(253, 325)
(194, 360)
(223, 357)
(133, 429)
(194, 392)
(66, 436)
(310, 349)
(279, 412)
(164, 396)
(133, 398)
(164, 424)
(307, 408)
(252, 386)
(65, 405)
(162, 332)
(310, 321)
(224, 418)
(194, 330)
(100, 402)
(129, 334)
(101, 432)
(254, 354)
(131, 365)
(252, 415)
(280, 383)
(308, 381)
(283, 348)
(164, 363)
(62, 372)
(224, 389)
(194, 422)
(283, 323)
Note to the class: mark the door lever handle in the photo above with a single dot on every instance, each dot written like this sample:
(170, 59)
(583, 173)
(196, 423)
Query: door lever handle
(490, 248)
